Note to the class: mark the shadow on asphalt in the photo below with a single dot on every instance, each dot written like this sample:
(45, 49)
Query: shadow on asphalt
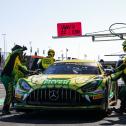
(121, 120)
(53, 117)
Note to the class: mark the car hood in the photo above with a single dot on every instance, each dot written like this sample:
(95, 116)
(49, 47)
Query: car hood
(60, 80)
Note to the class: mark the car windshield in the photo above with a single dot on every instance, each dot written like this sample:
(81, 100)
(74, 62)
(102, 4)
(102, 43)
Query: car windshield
(73, 68)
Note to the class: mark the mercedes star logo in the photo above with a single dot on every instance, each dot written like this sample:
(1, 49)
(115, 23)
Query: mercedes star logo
(53, 95)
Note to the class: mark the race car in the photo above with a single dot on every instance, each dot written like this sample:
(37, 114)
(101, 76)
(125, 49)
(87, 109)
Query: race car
(67, 85)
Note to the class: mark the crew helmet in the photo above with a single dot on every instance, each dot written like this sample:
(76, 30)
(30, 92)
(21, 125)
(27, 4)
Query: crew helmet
(19, 47)
(51, 52)
(101, 61)
(124, 45)
(16, 47)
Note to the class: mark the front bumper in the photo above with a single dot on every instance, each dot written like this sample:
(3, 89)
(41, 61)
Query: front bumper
(32, 107)
(60, 99)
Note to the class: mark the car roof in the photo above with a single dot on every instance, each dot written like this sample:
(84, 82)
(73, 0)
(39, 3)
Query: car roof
(77, 61)
(36, 56)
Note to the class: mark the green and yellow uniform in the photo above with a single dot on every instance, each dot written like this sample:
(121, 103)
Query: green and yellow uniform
(11, 72)
(120, 72)
(44, 63)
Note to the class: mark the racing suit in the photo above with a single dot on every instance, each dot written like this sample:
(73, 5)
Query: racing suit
(44, 63)
(12, 71)
(122, 93)
(120, 72)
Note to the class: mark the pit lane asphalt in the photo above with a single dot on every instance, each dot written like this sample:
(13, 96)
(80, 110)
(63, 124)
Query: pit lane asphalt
(58, 118)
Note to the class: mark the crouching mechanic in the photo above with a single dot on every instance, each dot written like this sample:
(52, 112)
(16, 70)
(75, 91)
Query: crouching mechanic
(44, 63)
(12, 71)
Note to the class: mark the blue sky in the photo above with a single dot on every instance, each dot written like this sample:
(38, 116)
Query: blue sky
(35, 21)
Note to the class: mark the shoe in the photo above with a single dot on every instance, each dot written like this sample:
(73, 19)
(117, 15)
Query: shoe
(109, 112)
(5, 112)
(119, 111)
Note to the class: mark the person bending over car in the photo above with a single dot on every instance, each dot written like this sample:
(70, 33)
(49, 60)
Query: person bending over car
(47, 61)
(120, 72)
(12, 71)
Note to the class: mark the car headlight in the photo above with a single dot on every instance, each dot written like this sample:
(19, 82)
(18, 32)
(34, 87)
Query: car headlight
(24, 85)
(91, 86)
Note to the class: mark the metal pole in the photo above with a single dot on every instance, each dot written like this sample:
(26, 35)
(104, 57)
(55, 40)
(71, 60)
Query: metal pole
(4, 45)
(0, 57)
(30, 48)
(38, 51)
(66, 53)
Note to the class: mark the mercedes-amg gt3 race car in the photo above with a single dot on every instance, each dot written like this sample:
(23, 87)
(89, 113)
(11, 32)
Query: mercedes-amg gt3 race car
(67, 85)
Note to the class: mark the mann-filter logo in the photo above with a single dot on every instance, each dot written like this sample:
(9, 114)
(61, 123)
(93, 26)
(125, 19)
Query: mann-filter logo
(56, 82)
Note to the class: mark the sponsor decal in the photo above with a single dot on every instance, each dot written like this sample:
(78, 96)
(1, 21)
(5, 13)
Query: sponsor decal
(98, 96)
(56, 82)
(18, 96)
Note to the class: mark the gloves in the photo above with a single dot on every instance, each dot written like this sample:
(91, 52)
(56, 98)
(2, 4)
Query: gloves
(24, 48)
(33, 72)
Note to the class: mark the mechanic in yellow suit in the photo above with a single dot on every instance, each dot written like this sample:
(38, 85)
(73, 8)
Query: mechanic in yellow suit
(47, 61)
(120, 72)
(12, 71)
